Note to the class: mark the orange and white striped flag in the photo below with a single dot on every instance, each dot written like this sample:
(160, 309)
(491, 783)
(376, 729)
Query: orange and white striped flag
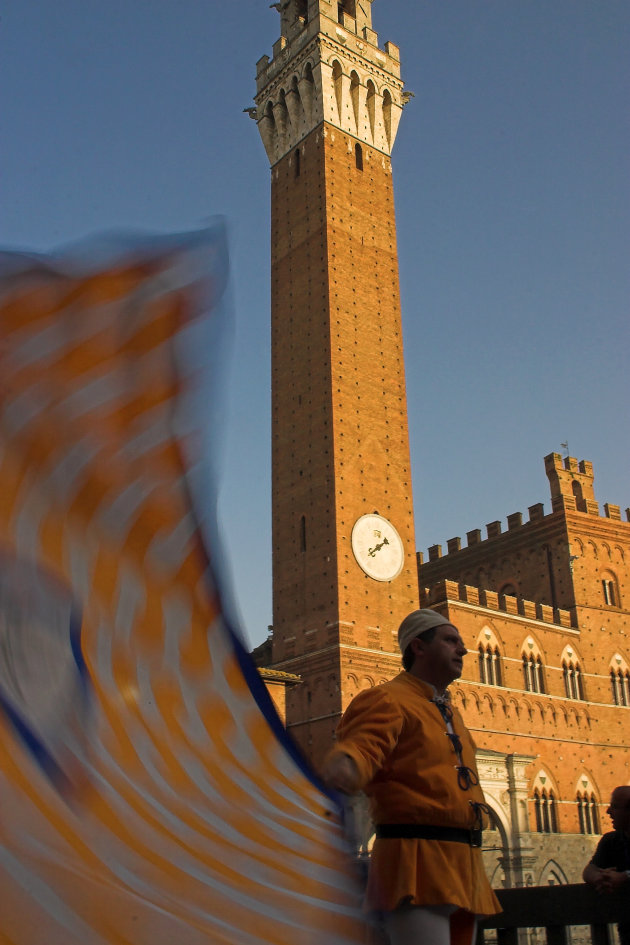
(148, 795)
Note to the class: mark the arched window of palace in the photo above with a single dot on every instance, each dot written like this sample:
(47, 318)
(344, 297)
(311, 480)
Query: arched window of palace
(489, 657)
(572, 675)
(545, 805)
(588, 808)
(533, 673)
(620, 680)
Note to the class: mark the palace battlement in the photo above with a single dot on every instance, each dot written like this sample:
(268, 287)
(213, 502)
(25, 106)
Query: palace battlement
(571, 483)
(452, 591)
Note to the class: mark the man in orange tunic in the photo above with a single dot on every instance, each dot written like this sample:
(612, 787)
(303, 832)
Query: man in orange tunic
(405, 745)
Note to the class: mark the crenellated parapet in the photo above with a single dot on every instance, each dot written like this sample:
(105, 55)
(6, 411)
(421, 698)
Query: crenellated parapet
(327, 68)
(571, 484)
(453, 592)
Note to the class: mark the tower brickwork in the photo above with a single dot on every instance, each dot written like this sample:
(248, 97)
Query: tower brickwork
(328, 106)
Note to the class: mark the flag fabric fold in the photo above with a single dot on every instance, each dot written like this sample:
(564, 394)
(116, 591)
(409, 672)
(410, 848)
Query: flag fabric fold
(147, 793)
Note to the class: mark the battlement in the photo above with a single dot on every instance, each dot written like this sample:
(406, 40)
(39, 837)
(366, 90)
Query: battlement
(451, 591)
(327, 67)
(571, 485)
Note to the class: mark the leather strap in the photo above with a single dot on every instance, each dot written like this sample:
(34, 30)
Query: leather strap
(428, 832)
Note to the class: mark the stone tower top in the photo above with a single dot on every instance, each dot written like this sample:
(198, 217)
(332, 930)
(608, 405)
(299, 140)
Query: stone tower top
(327, 67)
(571, 480)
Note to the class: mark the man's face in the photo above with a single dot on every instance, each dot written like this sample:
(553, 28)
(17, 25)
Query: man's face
(619, 810)
(443, 657)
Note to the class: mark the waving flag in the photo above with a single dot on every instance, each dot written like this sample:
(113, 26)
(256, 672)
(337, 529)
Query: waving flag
(147, 791)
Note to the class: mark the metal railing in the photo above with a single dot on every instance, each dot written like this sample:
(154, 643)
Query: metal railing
(555, 909)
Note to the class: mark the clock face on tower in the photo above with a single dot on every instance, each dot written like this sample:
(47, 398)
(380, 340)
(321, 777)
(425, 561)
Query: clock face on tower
(378, 548)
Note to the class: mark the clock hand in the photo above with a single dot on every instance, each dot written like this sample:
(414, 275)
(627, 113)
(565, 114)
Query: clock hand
(372, 551)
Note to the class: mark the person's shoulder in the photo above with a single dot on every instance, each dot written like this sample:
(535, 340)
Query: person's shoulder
(608, 841)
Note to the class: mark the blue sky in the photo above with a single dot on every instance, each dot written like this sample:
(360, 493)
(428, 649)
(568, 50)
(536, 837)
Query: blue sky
(512, 194)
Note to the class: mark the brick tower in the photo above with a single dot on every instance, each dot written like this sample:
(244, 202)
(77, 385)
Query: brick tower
(327, 107)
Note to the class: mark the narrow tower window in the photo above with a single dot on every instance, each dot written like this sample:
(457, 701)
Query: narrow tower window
(609, 592)
(297, 162)
(337, 74)
(387, 115)
(358, 157)
(303, 533)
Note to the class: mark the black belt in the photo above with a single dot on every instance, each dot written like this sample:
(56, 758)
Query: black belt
(428, 832)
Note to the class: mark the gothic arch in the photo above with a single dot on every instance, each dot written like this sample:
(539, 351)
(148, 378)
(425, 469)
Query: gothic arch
(500, 819)
(619, 680)
(533, 665)
(371, 104)
(495, 635)
(552, 874)
(387, 114)
(337, 75)
(587, 782)
(509, 588)
(355, 86)
(610, 587)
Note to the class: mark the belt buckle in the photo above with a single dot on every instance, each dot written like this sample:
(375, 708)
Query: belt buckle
(475, 837)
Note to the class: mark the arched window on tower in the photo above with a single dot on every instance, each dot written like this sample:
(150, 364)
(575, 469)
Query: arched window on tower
(358, 156)
(588, 812)
(578, 495)
(355, 87)
(370, 99)
(346, 7)
(297, 162)
(489, 664)
(303, 533)
(387, 115)
(610, 594)
(572, 679)
(620, 681)
(337, 74)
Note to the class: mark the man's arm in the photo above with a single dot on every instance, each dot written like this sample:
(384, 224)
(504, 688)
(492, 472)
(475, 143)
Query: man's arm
(604, 880)
(341, 773)
(366, 736)
(593, 875)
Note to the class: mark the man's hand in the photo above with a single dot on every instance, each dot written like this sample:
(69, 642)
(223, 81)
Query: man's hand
(613, 880)
(341, 773)
(604, 881)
